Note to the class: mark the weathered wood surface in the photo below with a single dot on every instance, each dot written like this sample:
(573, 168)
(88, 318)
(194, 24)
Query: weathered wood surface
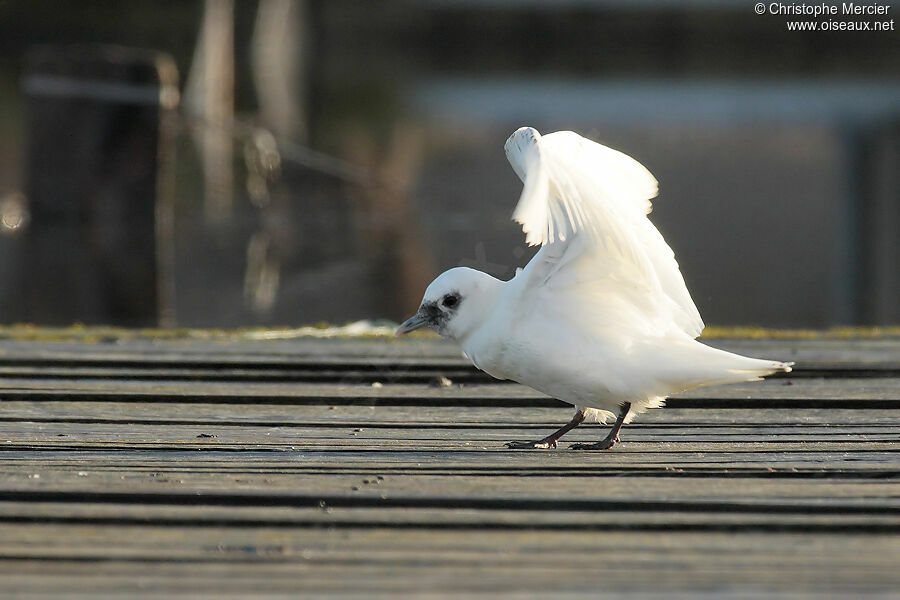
(191, 468)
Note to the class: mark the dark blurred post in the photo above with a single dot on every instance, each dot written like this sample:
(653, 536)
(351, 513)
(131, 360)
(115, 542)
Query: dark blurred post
(399, 263)
(99, 130)
(880, 227)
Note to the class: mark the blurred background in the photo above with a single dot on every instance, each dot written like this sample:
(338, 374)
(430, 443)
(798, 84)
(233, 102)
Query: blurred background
(221, 163)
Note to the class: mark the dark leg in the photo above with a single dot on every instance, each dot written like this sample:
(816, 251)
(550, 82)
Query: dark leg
(610, 440)
(550, 440)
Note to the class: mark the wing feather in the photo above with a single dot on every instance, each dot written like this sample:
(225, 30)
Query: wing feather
(587, 205)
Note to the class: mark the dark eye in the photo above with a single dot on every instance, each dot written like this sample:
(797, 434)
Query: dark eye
(450, 300)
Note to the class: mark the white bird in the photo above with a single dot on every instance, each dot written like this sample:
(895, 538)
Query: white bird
(600, 317)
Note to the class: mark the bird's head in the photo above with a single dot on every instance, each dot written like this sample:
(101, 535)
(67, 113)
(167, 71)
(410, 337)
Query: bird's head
(455, 303)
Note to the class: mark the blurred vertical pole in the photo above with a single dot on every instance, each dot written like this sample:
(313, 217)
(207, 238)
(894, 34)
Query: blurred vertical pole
(398, 260)
(881, 227)
(210, 98)
(97, 187)
(165, 194)
(277, 57)
(848, 277)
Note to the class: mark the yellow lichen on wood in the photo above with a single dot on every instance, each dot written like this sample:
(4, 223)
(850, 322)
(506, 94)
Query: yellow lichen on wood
(755, 332)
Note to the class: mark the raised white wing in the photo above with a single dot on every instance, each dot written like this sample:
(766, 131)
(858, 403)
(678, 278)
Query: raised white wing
(587, 205)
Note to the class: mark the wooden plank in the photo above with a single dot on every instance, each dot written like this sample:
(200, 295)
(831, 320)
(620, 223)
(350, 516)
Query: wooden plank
(805, 393)
(206, 434)
(561, 546)
(387, 458)
(426, 563)
(433, 514)
(467, 463)
(854, 351)
(674, 486)
(639, 438)
(447, 416)
(368, 544)
(136, 464)
(279, 358)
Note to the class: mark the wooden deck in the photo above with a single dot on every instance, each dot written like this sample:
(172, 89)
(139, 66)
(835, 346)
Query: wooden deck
(349, 468)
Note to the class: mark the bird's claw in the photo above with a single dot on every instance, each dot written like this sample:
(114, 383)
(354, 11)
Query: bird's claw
(604, 445)
(538, 445)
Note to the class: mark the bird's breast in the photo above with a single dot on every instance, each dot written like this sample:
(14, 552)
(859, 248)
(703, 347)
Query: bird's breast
(488, 353)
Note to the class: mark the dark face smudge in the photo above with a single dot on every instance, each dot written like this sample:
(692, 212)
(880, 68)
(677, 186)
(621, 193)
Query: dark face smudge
(439, 312)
